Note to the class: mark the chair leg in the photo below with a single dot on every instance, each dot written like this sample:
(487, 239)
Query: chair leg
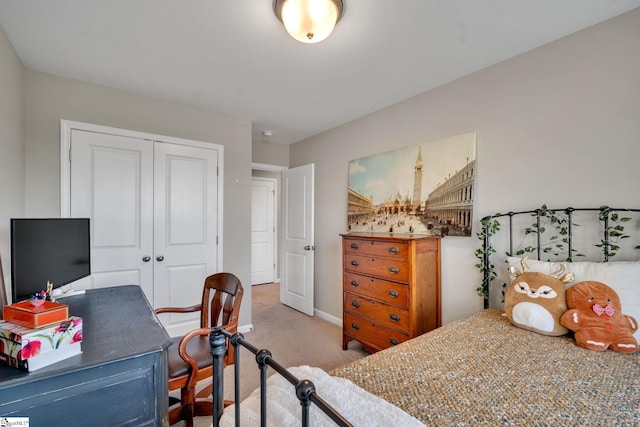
(203, 408)
(188, 405)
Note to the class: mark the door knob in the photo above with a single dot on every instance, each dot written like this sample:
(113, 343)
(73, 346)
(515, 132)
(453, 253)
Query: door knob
(160, 258)
(146, 258)
(307, 248)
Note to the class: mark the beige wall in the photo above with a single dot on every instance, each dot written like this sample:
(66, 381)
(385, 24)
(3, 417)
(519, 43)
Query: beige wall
(559, 125)
(270, 154)
(49, 98)
(11, 148)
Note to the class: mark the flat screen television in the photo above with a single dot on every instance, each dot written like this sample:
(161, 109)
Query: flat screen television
(55, 250)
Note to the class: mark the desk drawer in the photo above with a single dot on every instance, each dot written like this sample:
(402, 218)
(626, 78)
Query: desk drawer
(371, 333)
(392, 269)
(377, 248)
(383, 290)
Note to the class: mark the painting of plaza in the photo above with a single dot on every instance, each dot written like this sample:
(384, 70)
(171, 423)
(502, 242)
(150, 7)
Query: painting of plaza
(422, 189)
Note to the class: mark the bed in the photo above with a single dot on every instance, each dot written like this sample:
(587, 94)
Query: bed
(483, 370)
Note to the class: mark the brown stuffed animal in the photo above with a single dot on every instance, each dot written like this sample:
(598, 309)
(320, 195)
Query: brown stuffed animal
(595, 315)
(535, 301)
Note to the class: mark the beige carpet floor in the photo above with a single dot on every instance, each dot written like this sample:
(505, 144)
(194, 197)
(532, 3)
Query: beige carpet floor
(292, 337)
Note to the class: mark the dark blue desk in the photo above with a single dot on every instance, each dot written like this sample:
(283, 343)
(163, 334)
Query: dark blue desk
(119, 379)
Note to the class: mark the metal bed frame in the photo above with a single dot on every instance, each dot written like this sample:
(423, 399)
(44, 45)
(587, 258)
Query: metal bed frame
(561, 219)
(305, 390)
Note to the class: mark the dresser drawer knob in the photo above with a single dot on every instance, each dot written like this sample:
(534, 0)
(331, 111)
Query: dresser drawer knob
(355, 246)
(394, 270)
(394, 341)
(394, 317)
(394, 250)
(354, 283)
(355, 326)
(393, 293)
(355, 263)
(355, 304)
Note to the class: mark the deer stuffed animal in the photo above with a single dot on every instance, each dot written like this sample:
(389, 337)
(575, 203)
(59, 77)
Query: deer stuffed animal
(536, 301)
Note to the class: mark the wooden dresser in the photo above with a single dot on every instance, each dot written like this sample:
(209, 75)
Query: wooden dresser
(391, 286)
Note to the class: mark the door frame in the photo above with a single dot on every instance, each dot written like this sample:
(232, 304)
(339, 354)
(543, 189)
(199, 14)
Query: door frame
(274, 248)
(66, 126)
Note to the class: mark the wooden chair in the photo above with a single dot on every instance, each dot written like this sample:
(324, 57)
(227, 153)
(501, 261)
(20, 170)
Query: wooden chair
(190, 358)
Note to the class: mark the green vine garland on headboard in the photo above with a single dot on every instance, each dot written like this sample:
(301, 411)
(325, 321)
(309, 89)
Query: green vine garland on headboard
(490, 226)
(558, 243)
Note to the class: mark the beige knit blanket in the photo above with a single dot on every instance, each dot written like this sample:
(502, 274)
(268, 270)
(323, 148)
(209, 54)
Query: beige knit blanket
(483, 371)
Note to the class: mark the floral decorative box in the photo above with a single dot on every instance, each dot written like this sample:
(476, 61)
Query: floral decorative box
(22, 343)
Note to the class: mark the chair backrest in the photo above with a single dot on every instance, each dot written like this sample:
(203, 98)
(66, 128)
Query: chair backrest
(221, 298)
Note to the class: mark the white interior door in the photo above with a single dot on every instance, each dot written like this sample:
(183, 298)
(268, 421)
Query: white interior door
(112, 183)
(296, 285)
(154, 209)
(262, 231)
(185, 222)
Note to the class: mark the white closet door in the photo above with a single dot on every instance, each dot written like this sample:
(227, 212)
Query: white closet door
(112, 183)
(154, 211)
(186, 186)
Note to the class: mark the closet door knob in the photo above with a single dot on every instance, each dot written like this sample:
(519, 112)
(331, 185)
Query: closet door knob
(146, 258)
(160, 258)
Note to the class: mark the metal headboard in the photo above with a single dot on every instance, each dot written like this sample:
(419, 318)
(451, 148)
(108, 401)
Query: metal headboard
(613, 226)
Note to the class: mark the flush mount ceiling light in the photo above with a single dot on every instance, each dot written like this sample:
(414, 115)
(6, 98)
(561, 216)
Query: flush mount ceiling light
(309, 21)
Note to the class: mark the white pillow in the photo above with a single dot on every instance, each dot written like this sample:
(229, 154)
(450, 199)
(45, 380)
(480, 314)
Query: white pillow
(622, 276)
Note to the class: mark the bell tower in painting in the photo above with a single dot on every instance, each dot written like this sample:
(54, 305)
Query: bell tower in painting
(417, 182)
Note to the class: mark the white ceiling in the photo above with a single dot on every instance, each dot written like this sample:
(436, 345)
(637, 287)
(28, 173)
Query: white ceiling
(234, 56)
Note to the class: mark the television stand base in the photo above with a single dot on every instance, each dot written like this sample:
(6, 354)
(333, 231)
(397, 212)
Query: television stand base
(69, 293)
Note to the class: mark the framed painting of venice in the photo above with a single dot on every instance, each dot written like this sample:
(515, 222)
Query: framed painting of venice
(423, 189)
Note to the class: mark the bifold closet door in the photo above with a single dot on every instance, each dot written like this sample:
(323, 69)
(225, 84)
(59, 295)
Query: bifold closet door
(112, 183)
(185, 222)
(154, 215)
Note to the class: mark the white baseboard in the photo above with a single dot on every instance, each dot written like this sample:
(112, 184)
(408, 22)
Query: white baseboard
(328, 317)
(321, 314)
(245, 328)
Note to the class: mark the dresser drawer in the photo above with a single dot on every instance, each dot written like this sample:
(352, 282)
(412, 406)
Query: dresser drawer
(388, 315)
(377, 248)
(371, 333)
(393, 269)
(383, 290)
